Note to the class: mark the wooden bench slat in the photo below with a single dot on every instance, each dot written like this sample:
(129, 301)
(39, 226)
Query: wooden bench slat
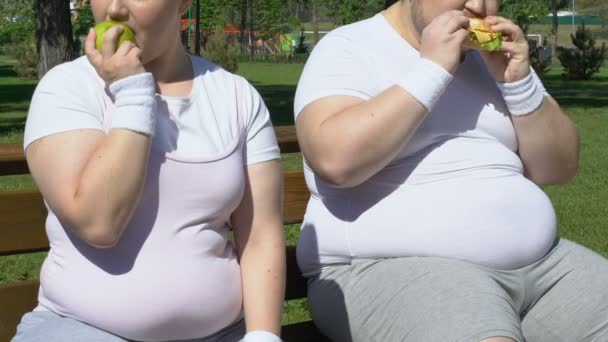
(22, 217)
(296, 196)
(287, 139)
(12, 159)
(16, 299)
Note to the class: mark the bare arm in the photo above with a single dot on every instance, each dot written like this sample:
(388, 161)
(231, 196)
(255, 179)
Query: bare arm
(91, 181)
(548, 144)
(258, 227)
(347, 140)
(548, 139)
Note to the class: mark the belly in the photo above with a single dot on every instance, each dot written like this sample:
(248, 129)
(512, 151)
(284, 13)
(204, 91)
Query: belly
(164, 298)
(503, 222)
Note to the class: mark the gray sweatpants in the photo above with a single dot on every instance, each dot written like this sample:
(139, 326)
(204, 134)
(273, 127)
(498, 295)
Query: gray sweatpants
(46, 326)
(561, 298)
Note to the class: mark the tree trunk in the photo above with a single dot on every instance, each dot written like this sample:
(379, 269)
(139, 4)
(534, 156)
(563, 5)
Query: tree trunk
(251, 37)
(243, 23)
(315, 22)
(54, 39)
(554, 27)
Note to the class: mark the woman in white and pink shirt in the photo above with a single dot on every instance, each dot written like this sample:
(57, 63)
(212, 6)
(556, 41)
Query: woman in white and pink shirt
(146, 158)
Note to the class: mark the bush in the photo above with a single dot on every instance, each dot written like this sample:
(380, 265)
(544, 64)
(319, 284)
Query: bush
(302, 48)
(26, 58)
(218, 51)
(585, 60)
(541, 63)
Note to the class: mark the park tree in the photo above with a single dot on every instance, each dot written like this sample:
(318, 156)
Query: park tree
(54, 39)
(586, 59)
(17, 22)
(554, 7)
(524, 13)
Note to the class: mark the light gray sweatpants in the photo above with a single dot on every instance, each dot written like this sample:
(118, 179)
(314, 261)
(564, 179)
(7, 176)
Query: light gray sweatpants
(561, 298)
(46, 326)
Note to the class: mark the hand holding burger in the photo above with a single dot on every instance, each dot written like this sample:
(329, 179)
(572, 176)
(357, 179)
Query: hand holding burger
(503, 46)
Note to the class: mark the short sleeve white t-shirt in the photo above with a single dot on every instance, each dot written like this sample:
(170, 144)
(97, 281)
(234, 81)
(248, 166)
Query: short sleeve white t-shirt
(69, 98)
(455, 190)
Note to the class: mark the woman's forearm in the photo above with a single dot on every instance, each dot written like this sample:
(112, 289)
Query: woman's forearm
(110, 187)
(548, 144)
(263, 273)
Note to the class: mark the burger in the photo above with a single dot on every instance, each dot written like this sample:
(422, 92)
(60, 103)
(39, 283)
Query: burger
(481, 37)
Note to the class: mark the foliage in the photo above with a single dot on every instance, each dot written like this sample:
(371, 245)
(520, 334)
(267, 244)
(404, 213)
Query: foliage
(83, 20)
(17, 23)
(585, 60)
(350, 11)
(211, 12)
(270, 17)
(301, 48)
(524, 13)
(218, 51)
(538, 61)
(26, 58)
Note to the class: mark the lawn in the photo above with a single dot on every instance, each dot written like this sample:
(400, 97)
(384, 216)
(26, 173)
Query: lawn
(581, 205)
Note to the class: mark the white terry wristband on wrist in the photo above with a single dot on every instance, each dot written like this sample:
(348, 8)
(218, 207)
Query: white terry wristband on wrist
(261, 336)
(426, 82)
(135, 102)
(522, 97)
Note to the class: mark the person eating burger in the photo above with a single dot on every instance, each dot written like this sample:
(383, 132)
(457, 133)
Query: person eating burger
(426, 138)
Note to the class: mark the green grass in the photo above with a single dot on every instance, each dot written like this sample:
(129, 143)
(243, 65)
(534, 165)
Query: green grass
(277, 85)
(553, 80)
(580, 205)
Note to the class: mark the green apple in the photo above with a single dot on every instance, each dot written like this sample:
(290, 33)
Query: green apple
(103, 27)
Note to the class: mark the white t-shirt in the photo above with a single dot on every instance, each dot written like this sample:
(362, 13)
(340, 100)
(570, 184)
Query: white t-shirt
(174, 274)
(456, 190)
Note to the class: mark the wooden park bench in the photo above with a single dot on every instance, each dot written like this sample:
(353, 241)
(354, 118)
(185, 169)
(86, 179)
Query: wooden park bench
(22, 220)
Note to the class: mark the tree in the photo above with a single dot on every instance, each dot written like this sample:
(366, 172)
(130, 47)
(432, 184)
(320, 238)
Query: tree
(54, 40)
(271, 14)
(524, 13)
(212, 17)
(554, 6)
(17, 23)
(585, 60)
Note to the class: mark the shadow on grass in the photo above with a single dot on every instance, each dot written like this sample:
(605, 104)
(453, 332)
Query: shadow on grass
(557, 82)
(582, 100)
(7, 71)
(10, 125)
(10, 93)
(279, 100)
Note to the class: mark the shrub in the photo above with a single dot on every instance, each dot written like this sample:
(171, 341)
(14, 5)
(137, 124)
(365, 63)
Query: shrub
(585, 59)
(218, 51)
(26, 57)
(540, 61)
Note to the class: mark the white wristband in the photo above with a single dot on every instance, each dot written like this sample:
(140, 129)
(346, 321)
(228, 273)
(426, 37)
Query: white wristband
(426, 82)
(135, 102)
(522, 97)
(261, 336)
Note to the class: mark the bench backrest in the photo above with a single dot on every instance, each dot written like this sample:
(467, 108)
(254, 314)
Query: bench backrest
(23, 215)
